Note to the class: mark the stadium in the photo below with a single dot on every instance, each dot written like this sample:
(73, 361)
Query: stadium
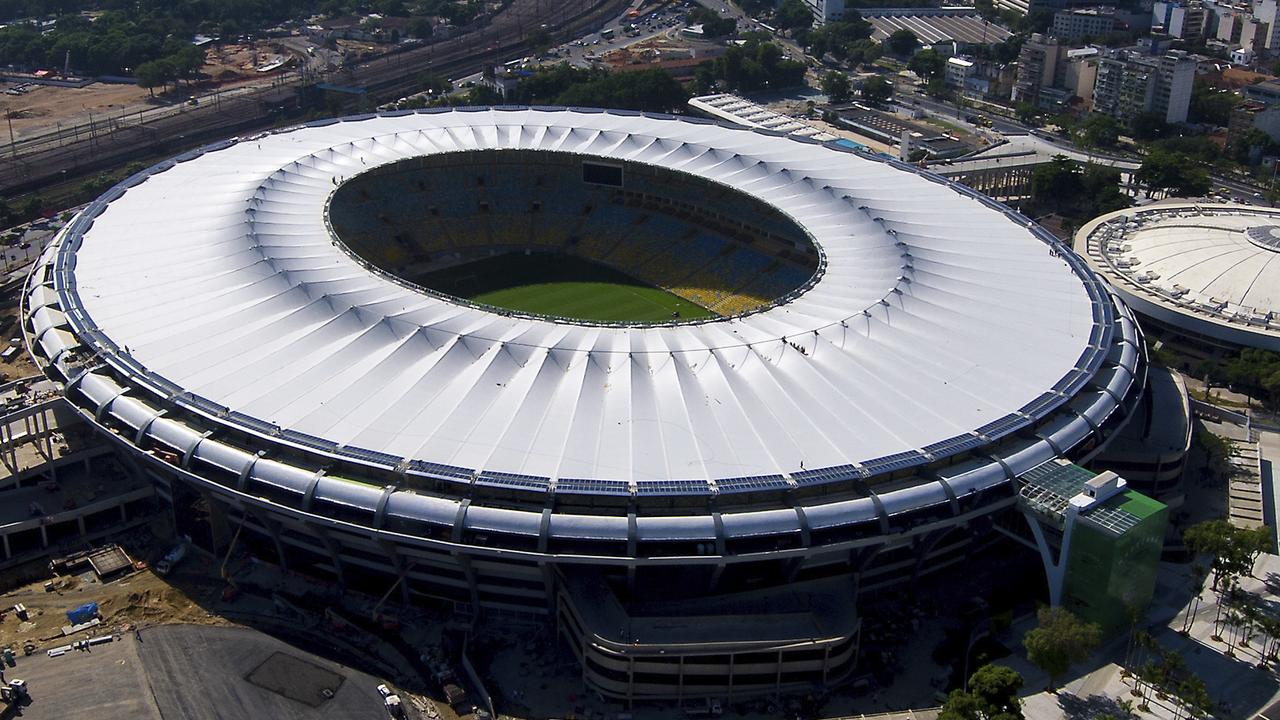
(1200, 274)
(684, 389)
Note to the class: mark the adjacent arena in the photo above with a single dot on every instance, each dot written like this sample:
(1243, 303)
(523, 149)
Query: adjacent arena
(1200, 274)
(290, 334)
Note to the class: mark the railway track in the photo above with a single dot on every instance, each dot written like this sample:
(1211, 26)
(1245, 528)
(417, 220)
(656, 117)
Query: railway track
(505, 37)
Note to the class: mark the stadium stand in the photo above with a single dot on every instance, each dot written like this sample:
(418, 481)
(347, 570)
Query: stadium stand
(421, 215)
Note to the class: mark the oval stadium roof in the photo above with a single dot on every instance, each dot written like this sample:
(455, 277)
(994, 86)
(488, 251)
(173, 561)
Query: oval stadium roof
(939, 314)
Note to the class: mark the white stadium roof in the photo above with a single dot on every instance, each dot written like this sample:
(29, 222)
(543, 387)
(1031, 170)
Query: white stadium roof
(1210, 268)
(939, 316)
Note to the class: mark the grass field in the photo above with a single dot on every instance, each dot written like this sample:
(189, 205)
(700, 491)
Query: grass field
(562, 285)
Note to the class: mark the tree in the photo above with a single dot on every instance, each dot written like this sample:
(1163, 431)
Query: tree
(1026, 112)
(997, 688)
(863, 52)
(793, 15)
(1172, 173)
(876, 90)
(150, 75)
(420, 27)
(992, 695)
(961, 705)
(902, 42)
(836, 86)
(1100, 131)
(1258, 372)
(928, 64)
(1210, 105)
(1149, 126)
(1064, 187)
(713, 24)
(1060, 640)
(1233, 550)
(848, 40)
(754, 65)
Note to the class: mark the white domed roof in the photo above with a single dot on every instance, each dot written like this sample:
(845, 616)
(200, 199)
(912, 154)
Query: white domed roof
(940, 318)
(1216, 266)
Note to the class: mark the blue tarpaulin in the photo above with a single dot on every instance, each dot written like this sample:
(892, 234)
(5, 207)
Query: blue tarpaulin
(83, 614)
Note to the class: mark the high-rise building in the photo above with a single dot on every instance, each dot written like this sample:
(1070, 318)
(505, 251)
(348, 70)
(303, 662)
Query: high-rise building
(1186, 19)
(1266, 11)
(825, 11)
(1173, 86)
(1080, 22)
(1081, 73)
(1037, 66)
(1130, 83)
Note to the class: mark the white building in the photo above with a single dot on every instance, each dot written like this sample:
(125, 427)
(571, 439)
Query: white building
(1266, 12)
(1179, 18)
(825, 11)
(1130, 83)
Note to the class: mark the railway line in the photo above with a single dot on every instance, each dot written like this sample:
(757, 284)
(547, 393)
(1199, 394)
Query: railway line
(110, 144)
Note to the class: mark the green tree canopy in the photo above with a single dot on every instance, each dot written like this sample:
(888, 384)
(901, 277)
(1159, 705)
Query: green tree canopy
(793, 15)
(997, 687)
(836, 86)
(876, 90)
(838, 38)
(713, 23)
(1060, 640)
(1079, 193)
(1099, 131)
(152, 74)
(992, 695)
(1173, 173)
(1234, 550)
(902, 42)
(1149, 126)
(928, 64)
(1211, 105)
(755, 65)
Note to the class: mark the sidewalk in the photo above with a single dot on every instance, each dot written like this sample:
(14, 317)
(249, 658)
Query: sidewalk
(1235, 683)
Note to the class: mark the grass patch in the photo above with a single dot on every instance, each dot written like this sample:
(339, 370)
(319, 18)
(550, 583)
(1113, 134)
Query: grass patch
(949, 127)
(563, 286)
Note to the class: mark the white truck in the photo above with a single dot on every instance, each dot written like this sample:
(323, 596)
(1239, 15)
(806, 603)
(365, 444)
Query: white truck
(171, 558)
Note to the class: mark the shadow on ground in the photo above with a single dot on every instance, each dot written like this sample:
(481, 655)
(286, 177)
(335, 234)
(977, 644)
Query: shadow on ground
(1092, 707)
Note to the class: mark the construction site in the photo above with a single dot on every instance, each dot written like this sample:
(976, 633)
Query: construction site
(95, 588)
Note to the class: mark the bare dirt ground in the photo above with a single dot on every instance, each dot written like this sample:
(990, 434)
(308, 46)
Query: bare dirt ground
(238, 62)
(139, 598)
(42, 107)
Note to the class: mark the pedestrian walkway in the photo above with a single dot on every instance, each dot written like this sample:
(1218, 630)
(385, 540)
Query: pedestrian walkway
(1245, 498)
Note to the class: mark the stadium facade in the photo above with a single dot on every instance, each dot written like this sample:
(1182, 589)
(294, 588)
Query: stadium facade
(696, 504)
(1200, 274)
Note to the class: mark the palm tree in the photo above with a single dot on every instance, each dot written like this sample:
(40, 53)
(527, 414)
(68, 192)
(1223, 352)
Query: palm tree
(1198, 573)
(1233, 621)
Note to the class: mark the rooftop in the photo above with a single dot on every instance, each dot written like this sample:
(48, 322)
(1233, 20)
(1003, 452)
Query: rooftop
(933, 28)
(1050, 487)
(1210, 260)
(216, 278)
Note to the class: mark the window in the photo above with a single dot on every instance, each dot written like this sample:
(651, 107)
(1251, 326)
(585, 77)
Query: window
(599, 174)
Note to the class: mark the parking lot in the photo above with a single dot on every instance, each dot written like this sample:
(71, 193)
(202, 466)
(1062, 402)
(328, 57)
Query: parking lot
(192, 672)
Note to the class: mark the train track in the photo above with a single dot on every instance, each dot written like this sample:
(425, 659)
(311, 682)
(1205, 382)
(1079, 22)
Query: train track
(505, 37)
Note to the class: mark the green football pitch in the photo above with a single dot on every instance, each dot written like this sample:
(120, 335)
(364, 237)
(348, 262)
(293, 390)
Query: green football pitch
(561, 285)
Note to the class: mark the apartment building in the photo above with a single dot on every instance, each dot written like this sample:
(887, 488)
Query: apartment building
(1130, 83)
